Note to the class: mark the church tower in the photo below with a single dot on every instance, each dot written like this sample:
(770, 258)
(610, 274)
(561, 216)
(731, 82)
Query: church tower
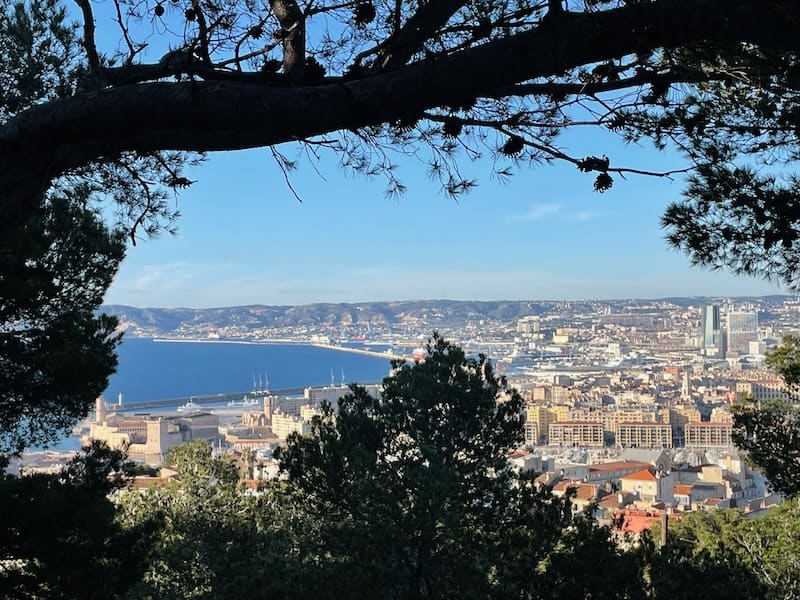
(685, 386)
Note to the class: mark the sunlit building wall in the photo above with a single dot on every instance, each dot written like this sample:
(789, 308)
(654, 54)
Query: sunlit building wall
(742, 329)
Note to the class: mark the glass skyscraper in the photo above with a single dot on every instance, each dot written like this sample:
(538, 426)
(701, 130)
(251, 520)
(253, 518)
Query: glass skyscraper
(711, 330)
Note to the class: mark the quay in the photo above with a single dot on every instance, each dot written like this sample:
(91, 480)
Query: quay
(386, 355)
(206, 399)
(214, 399)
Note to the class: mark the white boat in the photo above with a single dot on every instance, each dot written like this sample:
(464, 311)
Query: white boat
(190, 407)
(253, 399)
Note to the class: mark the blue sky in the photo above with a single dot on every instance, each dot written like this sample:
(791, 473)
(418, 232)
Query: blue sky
(545, 234)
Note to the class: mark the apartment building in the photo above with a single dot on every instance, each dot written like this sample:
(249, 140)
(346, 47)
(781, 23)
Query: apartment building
(284, 425)
(709, 434)
(576, 433)
(644, 435)
(763, 389)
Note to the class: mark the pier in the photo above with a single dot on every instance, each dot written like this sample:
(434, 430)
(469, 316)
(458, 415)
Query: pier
(386, 355)
(205, 399)
(214, 399)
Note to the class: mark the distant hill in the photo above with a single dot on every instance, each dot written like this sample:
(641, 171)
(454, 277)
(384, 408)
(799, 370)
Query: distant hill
(451, 313)
(430, 314)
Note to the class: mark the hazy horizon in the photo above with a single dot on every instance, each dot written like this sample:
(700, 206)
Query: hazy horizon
(424, 300)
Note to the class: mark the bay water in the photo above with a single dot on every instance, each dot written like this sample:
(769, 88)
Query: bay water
(155, 370)
(159, 370)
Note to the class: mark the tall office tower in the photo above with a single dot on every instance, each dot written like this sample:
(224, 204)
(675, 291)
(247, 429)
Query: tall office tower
(710, 329)
(742, 329)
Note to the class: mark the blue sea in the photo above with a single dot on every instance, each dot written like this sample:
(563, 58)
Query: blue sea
(155, 370)
(160, 370)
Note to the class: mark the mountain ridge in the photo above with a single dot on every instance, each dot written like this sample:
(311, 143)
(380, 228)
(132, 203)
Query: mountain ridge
(238, 320)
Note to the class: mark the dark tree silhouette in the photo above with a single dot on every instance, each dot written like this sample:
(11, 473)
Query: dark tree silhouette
(419, 499)
(770, 431)
(55, 354)
(59, 536)
(713, 79)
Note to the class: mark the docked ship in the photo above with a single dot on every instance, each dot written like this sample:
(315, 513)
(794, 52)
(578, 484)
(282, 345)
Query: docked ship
(256, 396)
(252, 399)
(191, 407)
(518, 356)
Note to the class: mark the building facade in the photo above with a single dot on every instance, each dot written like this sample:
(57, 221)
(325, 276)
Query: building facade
(742, 329)
(576, 433)
(711, 330)
(644, 435)
(283, 425)
(709, 434)
(148, 439)
(763, 390)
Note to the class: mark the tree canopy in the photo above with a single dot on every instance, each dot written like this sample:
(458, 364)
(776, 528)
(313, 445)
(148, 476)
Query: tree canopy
(785, 360)
(449, 81)
(755, 557)
(770, 432)
(60, 536)
(55, 353)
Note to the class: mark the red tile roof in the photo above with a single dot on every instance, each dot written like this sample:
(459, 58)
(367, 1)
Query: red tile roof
(618, 465)
(643, 475)
(586, 491)
(636, 521)
(583, 491)
(610, 501)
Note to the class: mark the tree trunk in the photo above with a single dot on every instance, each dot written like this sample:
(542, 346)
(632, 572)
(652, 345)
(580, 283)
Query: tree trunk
(293, 32)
